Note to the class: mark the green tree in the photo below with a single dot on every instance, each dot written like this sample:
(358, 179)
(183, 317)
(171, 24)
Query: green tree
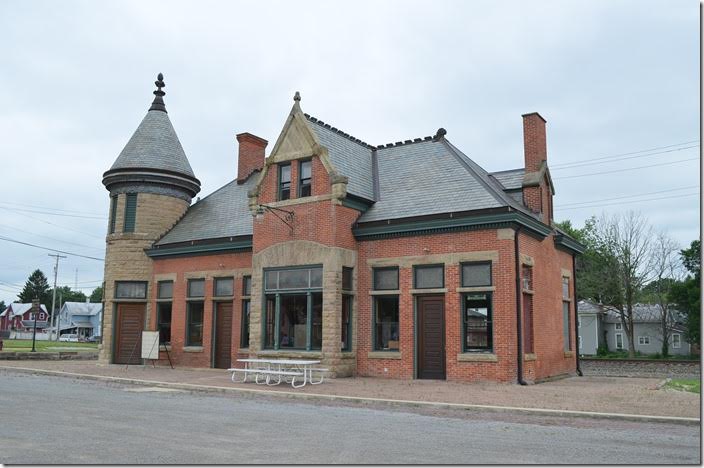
(97, 295)
(66, 294)
(596, 267)
(687, 294)
(36, 286)
(2, 306)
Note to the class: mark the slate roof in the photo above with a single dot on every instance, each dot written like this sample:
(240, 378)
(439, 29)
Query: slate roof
(154, 145)
(223, 213)
(511, 179)
(417, 177)
(350, 156)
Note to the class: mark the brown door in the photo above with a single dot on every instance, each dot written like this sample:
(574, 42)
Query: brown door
(222, 356)
(431, 337)
(128, 339)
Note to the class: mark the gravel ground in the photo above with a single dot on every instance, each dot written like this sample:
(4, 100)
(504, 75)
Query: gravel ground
(135, 424)
(600, 394)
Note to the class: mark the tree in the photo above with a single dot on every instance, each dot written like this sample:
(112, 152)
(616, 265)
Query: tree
(687, 294)
(627, 240)
(66, 294)
(97, 295)
(665, 267)
(2, 306)
(596, 267)
(37, 287)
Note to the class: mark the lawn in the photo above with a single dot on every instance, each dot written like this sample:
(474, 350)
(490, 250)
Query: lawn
(48, 346)
(687, 385)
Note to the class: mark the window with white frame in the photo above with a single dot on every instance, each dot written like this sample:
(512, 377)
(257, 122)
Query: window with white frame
(619, 340)
(643, 340)
(676, 340)
(579, 341)
(618, 326)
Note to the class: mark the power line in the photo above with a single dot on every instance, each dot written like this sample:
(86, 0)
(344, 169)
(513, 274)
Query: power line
(589, 162)
(50, 249)
(632, 152)
(626, 202)
(627, 169)
(53, 214)
(53, 224)
(51, 209)
(51, 238)
(628, 196)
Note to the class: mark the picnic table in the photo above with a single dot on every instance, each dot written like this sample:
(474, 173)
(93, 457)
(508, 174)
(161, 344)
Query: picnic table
(274, 371)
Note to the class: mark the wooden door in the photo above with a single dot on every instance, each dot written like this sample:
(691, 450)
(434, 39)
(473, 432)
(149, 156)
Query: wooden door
(431, 337)
(128, 338)
(222, 346)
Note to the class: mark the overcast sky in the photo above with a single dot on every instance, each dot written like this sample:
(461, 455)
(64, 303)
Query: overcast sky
(612, 78)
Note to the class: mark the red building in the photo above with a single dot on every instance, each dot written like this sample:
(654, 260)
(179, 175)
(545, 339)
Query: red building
(403, 260)
(19, 317)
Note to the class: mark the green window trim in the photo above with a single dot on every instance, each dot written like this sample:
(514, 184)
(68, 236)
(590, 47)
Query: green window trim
(347, 299)
(284, 186)
(376, 347)
(244, 324)
(113, 213)
(464, 281)
(305, 184)
(375, 285)
(418, 268)
(189, 316)
(488, 297)
(130, 213)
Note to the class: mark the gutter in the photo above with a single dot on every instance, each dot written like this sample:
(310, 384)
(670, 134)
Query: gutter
(576, 316)
(519, 324)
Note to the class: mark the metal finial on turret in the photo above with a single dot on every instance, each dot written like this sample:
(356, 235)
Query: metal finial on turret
(297, 97)
(158, 103)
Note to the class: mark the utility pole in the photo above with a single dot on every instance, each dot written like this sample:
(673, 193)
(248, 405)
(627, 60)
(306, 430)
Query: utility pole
(53, 295)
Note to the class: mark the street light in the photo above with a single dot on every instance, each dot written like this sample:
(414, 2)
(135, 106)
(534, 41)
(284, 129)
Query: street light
(259, 213)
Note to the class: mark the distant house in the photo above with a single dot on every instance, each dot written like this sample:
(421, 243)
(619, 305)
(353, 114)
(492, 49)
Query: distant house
(600, 325)
(19, 317)
(81, 318)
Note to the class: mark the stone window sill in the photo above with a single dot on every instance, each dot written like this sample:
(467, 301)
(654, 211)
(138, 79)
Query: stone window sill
(429, 291)
(470, 289)
(192, 349)
(385, 292)
(529, 357)
(294, 353)
(528, 291)
(569, 354)
(384, 355)
(243, 351)
(477, 357)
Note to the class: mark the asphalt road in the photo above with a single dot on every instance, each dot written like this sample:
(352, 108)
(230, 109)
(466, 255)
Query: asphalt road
(60, 420)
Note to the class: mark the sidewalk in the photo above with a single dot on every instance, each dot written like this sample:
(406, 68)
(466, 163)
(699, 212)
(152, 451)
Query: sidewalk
(632, 396)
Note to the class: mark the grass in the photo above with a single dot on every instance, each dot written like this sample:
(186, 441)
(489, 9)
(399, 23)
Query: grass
(47, 346)
(686, 385)
(639, 355)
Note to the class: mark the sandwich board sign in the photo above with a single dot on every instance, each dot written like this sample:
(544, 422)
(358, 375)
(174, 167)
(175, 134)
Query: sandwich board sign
(150, 345)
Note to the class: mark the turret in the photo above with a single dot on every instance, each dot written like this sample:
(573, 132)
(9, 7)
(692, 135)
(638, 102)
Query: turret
(151, 185)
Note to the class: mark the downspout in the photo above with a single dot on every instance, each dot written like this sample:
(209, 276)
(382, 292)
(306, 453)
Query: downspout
(519, 325)
(576, 316)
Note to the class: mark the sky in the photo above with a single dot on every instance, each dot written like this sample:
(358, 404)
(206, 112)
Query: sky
(617, 82)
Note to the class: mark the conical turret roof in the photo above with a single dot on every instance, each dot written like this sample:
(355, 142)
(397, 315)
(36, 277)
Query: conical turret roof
(154, 145)
(153, 159)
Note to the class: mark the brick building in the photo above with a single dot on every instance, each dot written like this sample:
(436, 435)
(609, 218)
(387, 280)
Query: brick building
(405, 260)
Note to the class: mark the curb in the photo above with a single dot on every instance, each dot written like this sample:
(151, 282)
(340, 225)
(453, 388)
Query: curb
(322, 396)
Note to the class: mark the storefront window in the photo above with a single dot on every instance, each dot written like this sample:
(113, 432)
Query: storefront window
(386, 329)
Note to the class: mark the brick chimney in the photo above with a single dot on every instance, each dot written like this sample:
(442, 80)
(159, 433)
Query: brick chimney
(537, 189)
(534, 142)
(251, 155)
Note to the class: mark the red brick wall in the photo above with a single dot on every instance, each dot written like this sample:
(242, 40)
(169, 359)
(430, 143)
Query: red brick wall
(318, 221)
(204, 266)
(504, 310)
(547, 308)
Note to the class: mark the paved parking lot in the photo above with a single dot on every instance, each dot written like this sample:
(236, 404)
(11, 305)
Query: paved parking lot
(83, 421)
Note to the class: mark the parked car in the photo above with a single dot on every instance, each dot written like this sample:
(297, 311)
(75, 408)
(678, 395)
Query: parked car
(70, 337)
